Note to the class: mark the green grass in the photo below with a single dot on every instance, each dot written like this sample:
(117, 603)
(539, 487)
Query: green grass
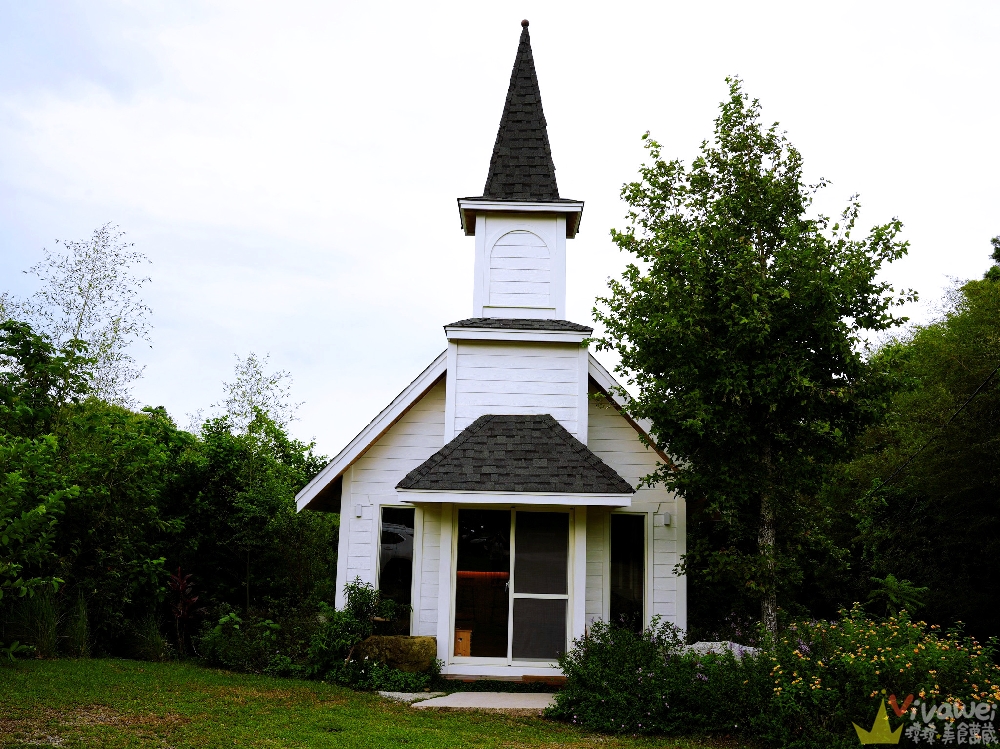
(119, 703)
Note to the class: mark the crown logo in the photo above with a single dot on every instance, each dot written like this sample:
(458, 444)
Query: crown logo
(880, 733)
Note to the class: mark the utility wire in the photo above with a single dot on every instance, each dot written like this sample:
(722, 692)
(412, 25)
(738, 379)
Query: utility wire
(942, 427)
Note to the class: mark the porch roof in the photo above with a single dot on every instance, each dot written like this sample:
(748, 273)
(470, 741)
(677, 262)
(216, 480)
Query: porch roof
(521, 454)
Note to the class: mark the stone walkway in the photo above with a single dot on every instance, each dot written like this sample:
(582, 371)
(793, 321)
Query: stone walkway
(492, 702)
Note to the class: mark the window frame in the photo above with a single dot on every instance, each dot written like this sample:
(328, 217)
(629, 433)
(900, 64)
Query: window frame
(647, 572)
(418, 517)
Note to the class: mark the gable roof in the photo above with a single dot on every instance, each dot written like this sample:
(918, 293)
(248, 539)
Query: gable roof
(521, 167)
(515, 453)
(375, 429)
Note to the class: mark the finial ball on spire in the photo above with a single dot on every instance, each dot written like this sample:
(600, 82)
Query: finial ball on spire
(524, 23)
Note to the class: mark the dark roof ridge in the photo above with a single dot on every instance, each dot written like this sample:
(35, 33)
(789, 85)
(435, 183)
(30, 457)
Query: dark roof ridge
(521, 323)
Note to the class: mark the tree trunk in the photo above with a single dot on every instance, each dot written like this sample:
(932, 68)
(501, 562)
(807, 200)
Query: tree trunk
(765, 547)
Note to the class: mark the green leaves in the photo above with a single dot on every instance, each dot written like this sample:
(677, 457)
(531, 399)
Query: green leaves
(32, 498)
(896, 595)
(923, 484)
(36, 380)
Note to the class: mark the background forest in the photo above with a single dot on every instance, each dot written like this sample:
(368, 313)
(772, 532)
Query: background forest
(122, 533)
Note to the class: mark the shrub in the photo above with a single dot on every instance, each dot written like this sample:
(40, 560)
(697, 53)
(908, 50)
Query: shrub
(372, 675)
(321, 644)
(240, 645)
(333, 646)
(36, 622)
(622, 682)
(147, 640)
(77, 629)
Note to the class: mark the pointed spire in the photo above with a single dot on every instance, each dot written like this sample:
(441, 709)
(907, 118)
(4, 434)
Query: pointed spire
(521, 167)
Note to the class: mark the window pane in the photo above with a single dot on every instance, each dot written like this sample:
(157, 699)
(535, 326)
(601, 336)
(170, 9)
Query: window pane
(482, 583)
(628, 555)
(396, 559)
(539, 628)
(541, 552)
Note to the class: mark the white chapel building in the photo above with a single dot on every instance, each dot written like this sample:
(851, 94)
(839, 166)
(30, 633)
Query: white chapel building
(498, 493)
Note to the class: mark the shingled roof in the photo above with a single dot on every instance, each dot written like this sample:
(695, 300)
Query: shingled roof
(520, 323)
(522, 168)
(520, 453)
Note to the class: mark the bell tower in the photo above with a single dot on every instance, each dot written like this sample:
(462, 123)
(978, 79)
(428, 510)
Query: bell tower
(520, 223)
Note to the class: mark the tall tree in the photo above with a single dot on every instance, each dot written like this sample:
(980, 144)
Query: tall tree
(91, 292)
(741, 321)
(254, 390)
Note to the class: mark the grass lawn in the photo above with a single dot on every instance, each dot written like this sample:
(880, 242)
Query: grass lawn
(119, 703)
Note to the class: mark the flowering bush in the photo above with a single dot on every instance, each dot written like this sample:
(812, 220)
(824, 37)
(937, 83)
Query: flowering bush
(803, 689)
(826, 675)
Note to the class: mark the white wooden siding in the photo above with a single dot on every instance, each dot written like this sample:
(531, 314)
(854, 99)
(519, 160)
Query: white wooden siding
(372, 480)
(511, 378)
(597, 520)
(520, 271)
(430, 564)
(617, 443)
(520, 266)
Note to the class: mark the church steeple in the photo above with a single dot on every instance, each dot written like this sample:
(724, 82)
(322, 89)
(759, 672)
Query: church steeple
(520, 223)
(521, 167)
(522, 175)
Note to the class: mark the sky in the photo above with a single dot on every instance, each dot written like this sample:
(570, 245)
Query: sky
(291, 168)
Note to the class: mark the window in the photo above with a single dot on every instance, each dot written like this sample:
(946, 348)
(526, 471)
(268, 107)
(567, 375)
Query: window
(482, 583)
(628, 565)
(395, 578)
(495, 619)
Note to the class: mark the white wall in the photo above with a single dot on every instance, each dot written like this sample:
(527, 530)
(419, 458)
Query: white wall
(597, 563)
(426, 605)
(372, 481)
(616, 442)
(520, 272)
(520, 268)
(512, 378)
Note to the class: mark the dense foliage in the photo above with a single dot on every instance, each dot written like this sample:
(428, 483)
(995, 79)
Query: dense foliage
(98, 503)
(620, 681)
(923, 490)
(319, 643)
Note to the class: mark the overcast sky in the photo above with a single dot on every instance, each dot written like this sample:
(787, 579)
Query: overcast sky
(291, 168)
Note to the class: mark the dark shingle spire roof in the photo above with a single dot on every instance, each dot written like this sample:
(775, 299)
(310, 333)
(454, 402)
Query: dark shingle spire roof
(516, 454)
(521, 167)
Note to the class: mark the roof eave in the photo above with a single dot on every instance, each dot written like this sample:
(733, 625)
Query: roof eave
(578, 499)
(469, 207)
